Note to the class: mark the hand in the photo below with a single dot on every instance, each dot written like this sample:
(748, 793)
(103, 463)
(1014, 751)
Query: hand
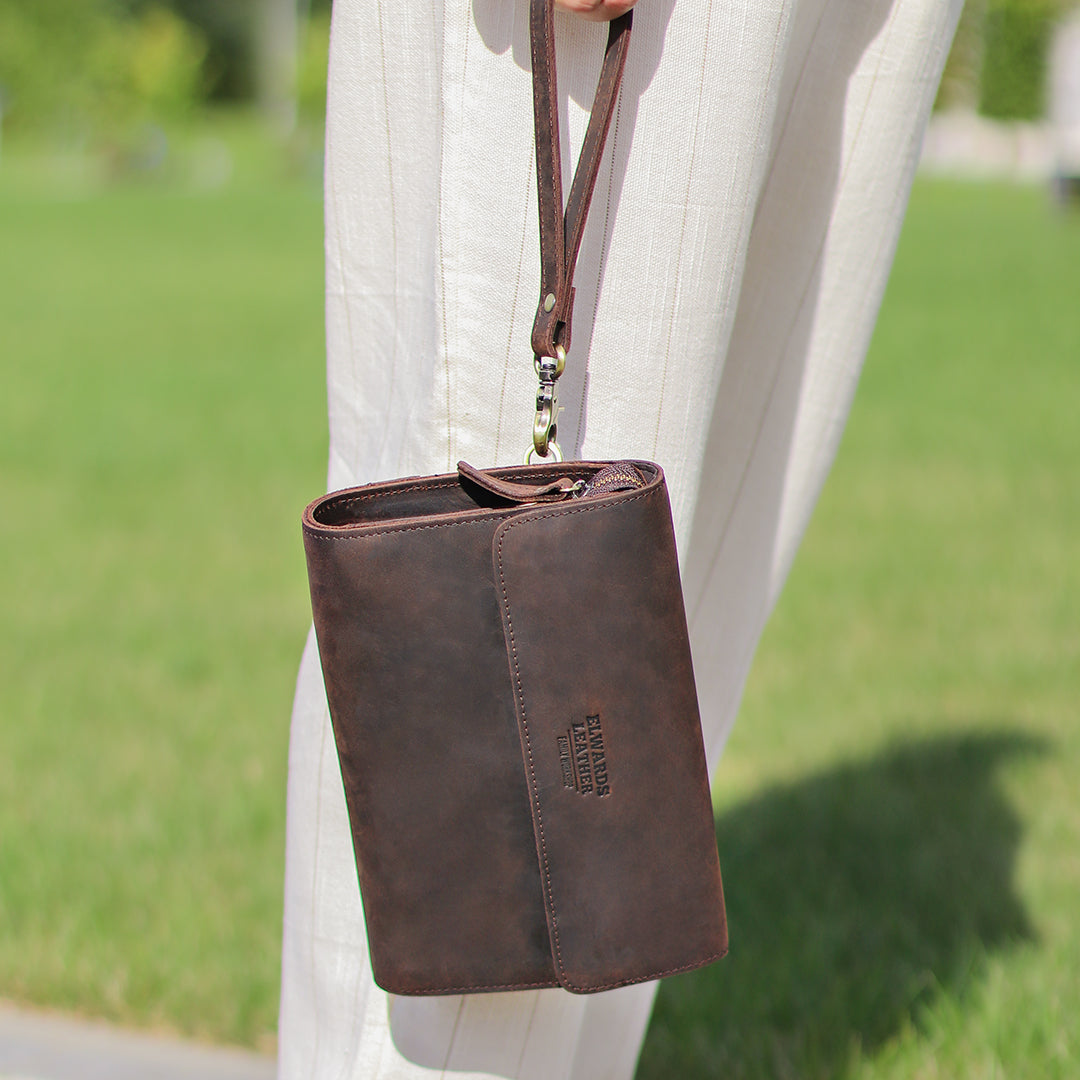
(596, 10)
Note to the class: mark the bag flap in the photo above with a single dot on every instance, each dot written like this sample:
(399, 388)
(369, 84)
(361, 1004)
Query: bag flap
(611, 739)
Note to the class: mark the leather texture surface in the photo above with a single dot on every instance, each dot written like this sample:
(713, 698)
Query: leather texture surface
(518, 732)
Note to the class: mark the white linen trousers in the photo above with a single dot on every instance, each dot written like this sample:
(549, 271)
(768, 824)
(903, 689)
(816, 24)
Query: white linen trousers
(740, 238)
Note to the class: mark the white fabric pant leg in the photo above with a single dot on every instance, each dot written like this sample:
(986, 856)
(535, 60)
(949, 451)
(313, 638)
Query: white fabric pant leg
(740, 238)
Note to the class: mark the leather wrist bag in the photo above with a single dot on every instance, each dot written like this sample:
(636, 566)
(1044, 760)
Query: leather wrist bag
(509, 679)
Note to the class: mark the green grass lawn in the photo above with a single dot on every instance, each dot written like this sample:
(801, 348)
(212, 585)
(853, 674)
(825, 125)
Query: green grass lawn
(162, 423)
(898, 811)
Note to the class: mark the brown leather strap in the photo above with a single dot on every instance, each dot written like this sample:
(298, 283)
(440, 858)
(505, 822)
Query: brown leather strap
(560, 233)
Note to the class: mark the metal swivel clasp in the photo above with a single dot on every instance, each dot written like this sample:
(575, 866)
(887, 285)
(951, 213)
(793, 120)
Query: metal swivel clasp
(545, 426)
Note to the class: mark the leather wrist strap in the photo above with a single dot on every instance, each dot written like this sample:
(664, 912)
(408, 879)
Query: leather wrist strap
(560, 234)
(561, 231)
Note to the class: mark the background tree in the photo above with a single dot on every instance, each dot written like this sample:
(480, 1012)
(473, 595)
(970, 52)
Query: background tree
(998, 60)
(91, 64)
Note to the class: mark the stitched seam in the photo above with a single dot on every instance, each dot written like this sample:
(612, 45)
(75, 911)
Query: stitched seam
(532, 769)
(561, 512)
(473, 986)
(652, 975)
(374, 532)
(565, 982)
(350, 500)
(553, 119)
(540, 47)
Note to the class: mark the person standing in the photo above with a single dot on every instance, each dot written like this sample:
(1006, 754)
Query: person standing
(741, 233)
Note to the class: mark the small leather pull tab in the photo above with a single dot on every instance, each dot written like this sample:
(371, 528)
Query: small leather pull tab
(518, 493)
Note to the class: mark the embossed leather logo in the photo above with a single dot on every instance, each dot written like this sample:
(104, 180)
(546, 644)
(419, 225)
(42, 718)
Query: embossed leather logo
(582, 758)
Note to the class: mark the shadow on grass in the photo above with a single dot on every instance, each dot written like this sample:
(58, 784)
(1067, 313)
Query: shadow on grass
(853, 897)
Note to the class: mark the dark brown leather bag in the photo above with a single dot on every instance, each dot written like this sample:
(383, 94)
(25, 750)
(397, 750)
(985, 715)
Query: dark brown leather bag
(509, 679)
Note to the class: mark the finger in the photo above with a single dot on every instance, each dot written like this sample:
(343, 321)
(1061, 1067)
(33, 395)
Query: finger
(596, 10)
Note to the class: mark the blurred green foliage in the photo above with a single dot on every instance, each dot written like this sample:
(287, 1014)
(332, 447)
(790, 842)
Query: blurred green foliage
(998, 64)
(227, 26)
(1016, 35)
(229, 29)
(99, 68)
(90, 66)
